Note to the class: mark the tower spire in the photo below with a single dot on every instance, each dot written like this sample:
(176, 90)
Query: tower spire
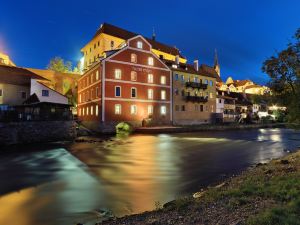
(153, 34)
(216, 64)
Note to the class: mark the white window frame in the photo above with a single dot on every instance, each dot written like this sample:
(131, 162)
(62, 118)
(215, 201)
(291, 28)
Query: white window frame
(119, 107)
(139, 44)
(163, 95)
(163, 110)
(135, 75)
(163, 79)
(133, 88)
(150, 93)
(133, 58)
(118, 74)
(133, 112)
(150, 61)
(150, 78)
(116, 91)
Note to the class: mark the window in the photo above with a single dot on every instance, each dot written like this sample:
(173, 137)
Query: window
(92, 110)
(176, 91)
(112, 44)
(163, 79)
(150, 78)
(163, 110)
(176, 76)
(183, 108)
(139, 44)
(117, 91)
(220, 101)
(150, 109)
(83, 111)
(80, 98)
(211, 95)
(211, 83)
(118, 109)
(97, 110)
(23, 94)
(196, 79)
(201, 108)
(150, 61)
(45, 93)
(1, 92)
(206, 82)
(79, 112)
(133, 92)
(118, 74)
(196, 107)
(98, 43)
(163, 95)
(182, 78)
(97, 92)
(133, 109)
(206, 108)
(133, 75)
(150, 93)
(94, 45)
(97, 75)
(176, 107)
(212, 108)
(133, 58)
(87, 111)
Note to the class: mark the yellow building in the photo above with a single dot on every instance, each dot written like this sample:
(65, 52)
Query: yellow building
(110, 37)
(4, 59)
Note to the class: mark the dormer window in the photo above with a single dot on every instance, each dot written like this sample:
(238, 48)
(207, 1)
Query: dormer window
(139, 44)
(150, 61)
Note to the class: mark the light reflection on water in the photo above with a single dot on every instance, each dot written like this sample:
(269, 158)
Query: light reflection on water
(48, 185)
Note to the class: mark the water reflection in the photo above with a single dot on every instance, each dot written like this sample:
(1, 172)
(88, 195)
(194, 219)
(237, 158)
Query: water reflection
(125, 174)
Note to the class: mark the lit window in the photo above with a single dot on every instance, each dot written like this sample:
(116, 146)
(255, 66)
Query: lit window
(139, 44)
(97, 110)
(150, 93)
(133, 92)
(133, 58)
(150, 61)
(80, 98)
(150, 78)
(212, 108)
(163, 79)
(163, 110)
(163, 95)
(92, 110)
(87, 111)
(45, 93)
(118, 109)
(133, 75)
(211, 95)
(118, 74)
(211, 83)
(133, 109)
(117, 91)
(97, 75)
(150, 109)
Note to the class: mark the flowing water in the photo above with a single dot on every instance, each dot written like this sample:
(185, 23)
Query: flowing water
(63, 184)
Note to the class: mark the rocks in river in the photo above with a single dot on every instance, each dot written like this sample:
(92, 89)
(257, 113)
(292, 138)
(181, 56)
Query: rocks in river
(198, 194)
(284, 161)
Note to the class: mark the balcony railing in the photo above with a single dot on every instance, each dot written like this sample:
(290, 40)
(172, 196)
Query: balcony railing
(190, 98)
(196, 85)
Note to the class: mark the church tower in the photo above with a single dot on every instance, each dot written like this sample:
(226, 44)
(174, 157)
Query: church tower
(216, 64)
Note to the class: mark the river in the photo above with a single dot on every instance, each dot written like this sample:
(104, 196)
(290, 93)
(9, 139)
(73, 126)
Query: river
(64, 184)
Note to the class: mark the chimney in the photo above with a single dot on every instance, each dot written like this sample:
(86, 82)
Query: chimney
(196, 65)
(153, 35)
(177, 59)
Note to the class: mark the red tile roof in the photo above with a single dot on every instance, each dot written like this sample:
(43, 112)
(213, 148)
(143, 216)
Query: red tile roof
(125, 34)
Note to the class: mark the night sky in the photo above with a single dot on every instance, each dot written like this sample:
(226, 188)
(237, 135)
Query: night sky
(244, 32)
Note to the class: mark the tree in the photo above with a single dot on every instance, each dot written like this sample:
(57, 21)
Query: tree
(57, 64)
(284, 72)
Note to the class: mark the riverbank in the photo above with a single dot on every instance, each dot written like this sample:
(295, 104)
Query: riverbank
(266, 194)
(204, 127)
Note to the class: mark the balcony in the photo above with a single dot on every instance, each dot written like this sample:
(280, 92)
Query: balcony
(196, 85)
(196, 98)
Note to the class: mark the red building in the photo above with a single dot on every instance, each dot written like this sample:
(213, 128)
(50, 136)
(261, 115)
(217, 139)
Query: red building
(129, 84)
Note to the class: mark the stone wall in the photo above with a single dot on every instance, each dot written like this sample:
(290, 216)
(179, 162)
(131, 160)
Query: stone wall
(36, 131)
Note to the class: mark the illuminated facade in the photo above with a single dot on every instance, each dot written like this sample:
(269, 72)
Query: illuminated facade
(5, 60)
(129, 84)
(109, 37)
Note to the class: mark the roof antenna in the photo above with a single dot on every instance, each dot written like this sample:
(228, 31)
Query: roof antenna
(153, 34)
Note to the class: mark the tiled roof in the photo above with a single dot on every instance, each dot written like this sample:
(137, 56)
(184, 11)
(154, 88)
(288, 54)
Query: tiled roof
(238, 83)
(125, 34)
(17, 75)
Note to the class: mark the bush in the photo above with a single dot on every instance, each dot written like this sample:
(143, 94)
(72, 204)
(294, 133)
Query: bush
(124, 128)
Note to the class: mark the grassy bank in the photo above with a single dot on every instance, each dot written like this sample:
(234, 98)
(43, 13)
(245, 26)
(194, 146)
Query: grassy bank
(268, 194)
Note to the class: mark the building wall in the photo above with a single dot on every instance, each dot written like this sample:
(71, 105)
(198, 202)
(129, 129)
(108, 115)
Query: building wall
(219, 105)
(192, 113)
(54, 97)
(12, 94)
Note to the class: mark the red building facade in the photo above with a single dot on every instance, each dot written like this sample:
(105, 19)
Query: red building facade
(130, 84)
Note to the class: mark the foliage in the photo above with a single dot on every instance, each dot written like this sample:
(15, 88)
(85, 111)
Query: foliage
(59, 65)
(124, 128)
(284, 71)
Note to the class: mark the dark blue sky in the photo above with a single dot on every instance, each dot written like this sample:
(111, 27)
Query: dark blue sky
(244, 32)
